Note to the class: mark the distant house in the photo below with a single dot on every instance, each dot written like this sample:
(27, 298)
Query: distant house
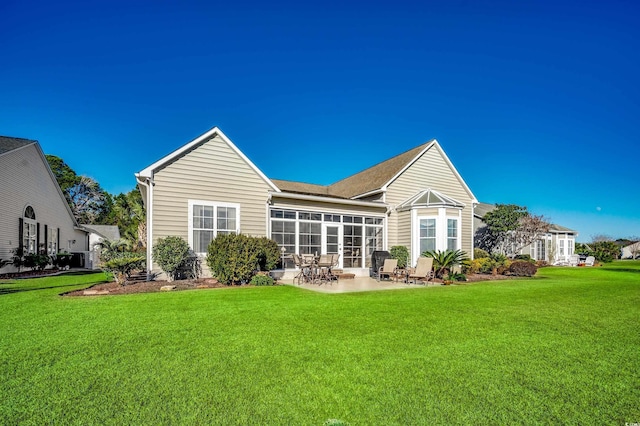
(97, 234)
(630, 251)
(208, 187)
(555, 247)
(34, 214)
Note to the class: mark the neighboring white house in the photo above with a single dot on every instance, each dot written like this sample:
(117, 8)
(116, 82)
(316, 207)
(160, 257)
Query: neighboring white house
(208, 187)
(97, 234)
(631, 251)
(34, 214)
(554, 247)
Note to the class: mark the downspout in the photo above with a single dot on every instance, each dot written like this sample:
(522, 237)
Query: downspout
(473, 229)
(148, 183)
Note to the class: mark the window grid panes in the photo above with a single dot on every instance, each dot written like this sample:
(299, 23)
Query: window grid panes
(310, 238)
(373, 242)
(452, 234)
(283, 232)
(29, 237)
(52, 244)
(352, 246)
(209, 221)
(427, 235)
(226, 220)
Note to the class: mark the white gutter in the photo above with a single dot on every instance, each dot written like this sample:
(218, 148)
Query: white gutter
(148, 183)
(328, 200)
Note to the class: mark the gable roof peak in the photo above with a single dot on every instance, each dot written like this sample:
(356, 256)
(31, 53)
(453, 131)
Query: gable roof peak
(378, 175)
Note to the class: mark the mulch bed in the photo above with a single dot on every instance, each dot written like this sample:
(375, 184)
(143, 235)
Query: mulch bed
(147, 287)
(203, 283)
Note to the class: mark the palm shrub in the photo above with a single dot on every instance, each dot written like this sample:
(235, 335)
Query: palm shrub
(171, 254)
(123, 264)
(443, 261)
(401, 253)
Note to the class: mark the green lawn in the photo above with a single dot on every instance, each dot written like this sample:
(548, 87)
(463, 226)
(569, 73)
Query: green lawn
(561, 348)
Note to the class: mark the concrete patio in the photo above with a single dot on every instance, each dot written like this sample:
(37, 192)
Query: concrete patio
(356, 284)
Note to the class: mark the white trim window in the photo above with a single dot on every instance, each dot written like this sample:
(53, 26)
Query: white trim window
(29, 231)
(52, 244)
(452, 234)
(427, 235)
(207, 219)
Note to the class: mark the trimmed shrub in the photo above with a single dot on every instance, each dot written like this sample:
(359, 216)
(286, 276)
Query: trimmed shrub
(401, 253)
(268, 253)
(478, 253)
(480, 266)
(262, 280)
(522, 268)
(235, 259)
(170, 254)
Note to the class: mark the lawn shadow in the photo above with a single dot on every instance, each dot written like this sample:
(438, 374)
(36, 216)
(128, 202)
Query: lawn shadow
(19, 289)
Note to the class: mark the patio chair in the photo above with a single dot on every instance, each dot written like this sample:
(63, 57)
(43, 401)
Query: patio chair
(424, 270)
(388, 268)
(304, 265)
(589, 261)
(574, 259)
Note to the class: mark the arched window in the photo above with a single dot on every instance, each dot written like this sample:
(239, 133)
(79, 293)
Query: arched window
(29, 231)
(29, 213)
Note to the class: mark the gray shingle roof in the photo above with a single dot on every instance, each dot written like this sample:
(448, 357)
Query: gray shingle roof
(368, 180)
(8, 143)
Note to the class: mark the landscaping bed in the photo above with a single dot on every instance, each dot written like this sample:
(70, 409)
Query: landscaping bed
(146, 287)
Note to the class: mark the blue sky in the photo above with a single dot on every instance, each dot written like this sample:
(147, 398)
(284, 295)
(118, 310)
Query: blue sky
(535, 103)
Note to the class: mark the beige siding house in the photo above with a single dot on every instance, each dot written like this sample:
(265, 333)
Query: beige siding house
(208, 186)
(34, 214)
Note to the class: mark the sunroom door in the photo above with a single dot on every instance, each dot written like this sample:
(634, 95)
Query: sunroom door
(332, 240)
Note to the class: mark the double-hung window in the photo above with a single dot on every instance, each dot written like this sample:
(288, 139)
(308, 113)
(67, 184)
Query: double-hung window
(427, 235)
(452, 234)
(208, 219)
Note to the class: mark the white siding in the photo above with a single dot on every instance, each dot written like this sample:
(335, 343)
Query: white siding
(25, 180)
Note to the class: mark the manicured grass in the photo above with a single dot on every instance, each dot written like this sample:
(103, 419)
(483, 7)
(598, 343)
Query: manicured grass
(561, 348)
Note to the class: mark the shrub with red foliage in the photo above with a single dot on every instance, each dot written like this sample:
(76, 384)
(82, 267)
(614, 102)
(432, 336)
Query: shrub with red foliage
(522, 268)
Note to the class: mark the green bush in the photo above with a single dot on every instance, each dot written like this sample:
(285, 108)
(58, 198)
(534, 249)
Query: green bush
(235, 259)
(401, 253)
(478, 253)
(262, 280)
(123, 264)
(268, 253)
(525, 257)
(36, 261)
(170, 254)
(522, 268)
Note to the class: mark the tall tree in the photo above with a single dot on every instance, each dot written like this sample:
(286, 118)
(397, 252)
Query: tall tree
(85, 196)
(509, 228)
(499, 222)
(129, 214)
